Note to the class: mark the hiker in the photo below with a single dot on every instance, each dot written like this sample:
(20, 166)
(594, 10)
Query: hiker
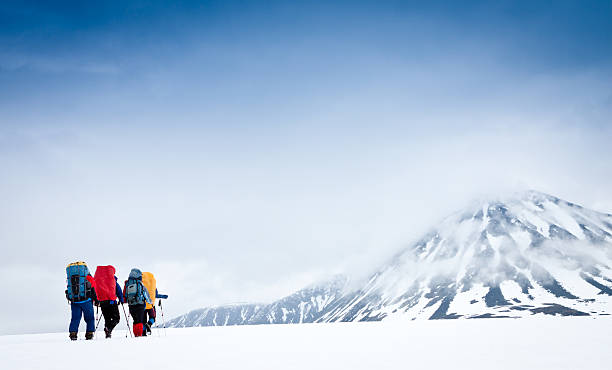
(108, 292)
(136, 296)
(80, 293)
(148, 280)
(150, 313)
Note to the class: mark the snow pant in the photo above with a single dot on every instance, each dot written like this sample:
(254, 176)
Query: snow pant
(110, 311)
(137, 311)
(151, 314)
(84, 309)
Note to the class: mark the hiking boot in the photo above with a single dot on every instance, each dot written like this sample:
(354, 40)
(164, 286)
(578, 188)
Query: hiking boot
(73, 335)
(107, 332)
(89, 335)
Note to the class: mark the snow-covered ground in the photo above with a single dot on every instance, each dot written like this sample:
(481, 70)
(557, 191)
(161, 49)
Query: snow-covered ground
(528, 343)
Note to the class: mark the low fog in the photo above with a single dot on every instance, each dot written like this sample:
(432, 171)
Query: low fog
(250, 229)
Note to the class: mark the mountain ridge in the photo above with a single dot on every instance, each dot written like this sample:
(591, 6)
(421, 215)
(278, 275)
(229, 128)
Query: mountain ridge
(530, 253)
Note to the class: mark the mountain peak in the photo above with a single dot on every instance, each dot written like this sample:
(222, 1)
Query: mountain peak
(528, 253)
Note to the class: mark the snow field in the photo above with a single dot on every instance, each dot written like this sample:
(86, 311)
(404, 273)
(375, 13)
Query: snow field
(530, 343)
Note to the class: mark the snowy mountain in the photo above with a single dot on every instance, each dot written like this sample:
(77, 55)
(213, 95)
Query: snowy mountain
(306, 305)
(239, 314)
(528, 254)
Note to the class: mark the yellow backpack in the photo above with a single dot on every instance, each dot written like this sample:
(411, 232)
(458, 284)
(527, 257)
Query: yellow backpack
(148, 280)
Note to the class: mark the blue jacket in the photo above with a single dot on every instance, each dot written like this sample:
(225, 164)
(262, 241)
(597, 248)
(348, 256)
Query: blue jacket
(119, 292)
(157, 295)
(146, 294)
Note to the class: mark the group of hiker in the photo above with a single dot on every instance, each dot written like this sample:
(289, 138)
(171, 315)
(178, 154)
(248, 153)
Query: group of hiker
(103, 290)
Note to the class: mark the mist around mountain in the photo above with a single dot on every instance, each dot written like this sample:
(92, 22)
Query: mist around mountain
(527, 254)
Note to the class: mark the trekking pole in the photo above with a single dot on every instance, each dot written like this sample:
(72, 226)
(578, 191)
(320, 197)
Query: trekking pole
(163, 319)
(127, 322)
(97, 322)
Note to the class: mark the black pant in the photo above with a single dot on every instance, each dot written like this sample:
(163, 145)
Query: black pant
(151, 314)
(138, 313)
(110, 311)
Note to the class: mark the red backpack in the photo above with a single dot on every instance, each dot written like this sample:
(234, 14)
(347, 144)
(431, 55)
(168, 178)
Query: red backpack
(105, 283)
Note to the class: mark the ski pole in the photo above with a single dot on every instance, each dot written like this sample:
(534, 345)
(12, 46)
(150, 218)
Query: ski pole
(127, 322)
(98, 323)
(163, 318)
(157, 327)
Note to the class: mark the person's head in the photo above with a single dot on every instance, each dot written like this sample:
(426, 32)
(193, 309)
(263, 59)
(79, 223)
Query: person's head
(136, 274)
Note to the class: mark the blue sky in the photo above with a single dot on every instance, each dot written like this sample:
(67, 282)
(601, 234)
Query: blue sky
(219, 57)
(264, 145)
